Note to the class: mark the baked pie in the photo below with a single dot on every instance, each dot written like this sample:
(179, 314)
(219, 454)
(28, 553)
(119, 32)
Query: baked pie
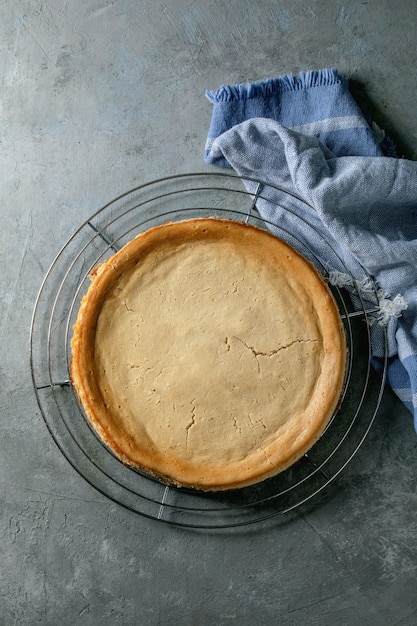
(208, 354)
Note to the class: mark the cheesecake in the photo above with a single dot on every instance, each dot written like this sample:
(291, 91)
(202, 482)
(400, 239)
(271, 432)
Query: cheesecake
(208, 354)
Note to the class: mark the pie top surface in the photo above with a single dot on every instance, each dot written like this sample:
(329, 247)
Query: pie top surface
(208, 353)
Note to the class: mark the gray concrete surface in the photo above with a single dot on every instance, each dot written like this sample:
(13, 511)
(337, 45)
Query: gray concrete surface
(97, 97)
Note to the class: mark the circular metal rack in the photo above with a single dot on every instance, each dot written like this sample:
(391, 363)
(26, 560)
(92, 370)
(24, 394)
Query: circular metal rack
(170, 199)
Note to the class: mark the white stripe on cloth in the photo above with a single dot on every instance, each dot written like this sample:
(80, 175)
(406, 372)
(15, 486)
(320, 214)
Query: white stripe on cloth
(331, 123)
(320, 126)
(405, 395)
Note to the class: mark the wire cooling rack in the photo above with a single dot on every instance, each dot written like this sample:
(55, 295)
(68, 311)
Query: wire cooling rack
(105, 232)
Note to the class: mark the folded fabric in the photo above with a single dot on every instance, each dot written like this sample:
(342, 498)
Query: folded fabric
(360, 206)
(316, 103)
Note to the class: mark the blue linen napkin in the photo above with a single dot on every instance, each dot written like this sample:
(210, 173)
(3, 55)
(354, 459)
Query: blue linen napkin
(307, 135)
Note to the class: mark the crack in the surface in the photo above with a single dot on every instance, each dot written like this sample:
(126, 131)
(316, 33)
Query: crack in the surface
(253, 425)
(128, 308)
(191, 423)
(257, 353)
(276, 350)
(236, 426)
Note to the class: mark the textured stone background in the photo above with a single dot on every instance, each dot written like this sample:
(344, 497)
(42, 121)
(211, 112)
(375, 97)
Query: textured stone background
(97, 97)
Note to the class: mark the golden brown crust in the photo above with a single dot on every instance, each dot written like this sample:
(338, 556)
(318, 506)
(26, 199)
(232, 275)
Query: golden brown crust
(208, 353)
